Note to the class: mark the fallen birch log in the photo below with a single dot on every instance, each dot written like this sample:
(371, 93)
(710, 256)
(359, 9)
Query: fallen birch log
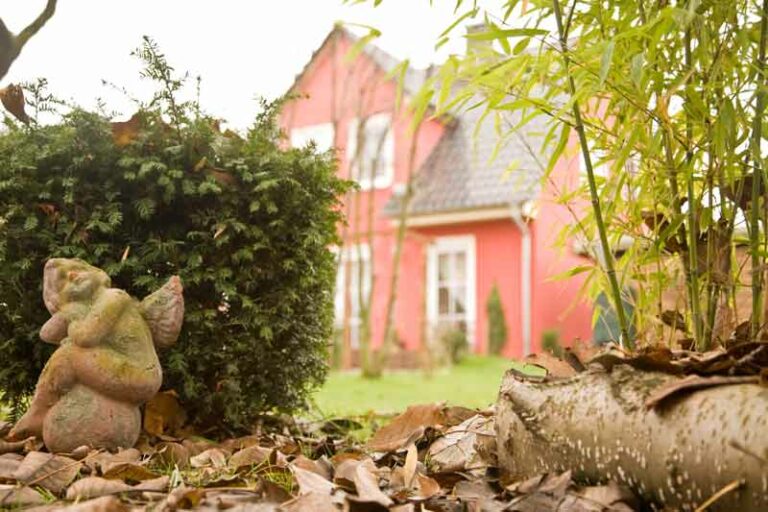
(707, 443)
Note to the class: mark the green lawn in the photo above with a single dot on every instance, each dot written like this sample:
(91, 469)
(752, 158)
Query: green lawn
(473, 383)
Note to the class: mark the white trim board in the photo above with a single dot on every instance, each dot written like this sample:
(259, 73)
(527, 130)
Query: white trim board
(458, 217)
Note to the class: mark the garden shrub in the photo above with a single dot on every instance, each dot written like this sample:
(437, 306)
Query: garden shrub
(550, 342)
(245, 222)
(456, 344)
(497, 324)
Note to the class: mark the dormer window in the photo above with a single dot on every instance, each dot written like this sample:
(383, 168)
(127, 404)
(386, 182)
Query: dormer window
(373, 166)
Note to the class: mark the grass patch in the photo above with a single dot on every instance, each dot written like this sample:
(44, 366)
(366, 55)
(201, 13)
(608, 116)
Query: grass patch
(473, 383)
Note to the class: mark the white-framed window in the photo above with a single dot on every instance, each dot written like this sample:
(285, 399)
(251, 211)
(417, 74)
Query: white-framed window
(321, 134)
(451, 285)
(374, 165)
(353, 282)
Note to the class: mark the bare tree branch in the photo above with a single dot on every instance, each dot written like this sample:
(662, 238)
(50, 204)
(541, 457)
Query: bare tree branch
(11, 45)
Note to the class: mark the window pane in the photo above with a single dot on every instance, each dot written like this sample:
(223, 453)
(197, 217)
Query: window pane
(459, 300)
(460, 275)
(321, 134)
(375, 149)
(443, 267)
(443, 301)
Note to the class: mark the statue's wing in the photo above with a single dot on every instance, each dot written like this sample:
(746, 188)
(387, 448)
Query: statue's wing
(164, 312)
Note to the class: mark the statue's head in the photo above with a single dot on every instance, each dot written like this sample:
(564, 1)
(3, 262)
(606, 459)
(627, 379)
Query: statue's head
(66, 280)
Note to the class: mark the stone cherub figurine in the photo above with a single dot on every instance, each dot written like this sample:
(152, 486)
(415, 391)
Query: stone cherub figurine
(106, 366)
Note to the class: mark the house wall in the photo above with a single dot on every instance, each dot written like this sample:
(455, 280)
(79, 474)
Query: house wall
(558, 304)
(338, 90)
(359, 89)
(497, 256)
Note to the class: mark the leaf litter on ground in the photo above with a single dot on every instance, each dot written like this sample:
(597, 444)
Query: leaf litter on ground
(432, 457)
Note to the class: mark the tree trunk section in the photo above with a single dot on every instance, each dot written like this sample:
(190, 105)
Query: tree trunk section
(678, 454)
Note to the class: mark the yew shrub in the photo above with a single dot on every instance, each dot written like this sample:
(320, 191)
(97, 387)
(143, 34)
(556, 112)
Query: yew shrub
(244, 221)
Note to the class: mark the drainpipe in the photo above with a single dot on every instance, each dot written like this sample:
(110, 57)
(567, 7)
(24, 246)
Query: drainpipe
(516, 212)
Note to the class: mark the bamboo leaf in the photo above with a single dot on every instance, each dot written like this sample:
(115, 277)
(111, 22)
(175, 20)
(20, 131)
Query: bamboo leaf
(605, 60)
(491, 35)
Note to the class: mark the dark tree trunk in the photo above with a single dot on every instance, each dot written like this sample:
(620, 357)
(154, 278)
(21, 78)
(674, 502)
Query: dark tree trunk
(678, 454)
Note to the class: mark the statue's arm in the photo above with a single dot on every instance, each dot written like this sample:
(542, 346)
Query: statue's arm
(55, 329)
(98, 323)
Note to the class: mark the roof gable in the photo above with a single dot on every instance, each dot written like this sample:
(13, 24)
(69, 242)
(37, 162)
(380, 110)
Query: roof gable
(413, 79)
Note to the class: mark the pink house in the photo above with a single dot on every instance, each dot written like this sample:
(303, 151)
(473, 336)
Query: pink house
(470, 226)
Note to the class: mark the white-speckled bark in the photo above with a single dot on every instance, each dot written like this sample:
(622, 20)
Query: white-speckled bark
(596, 424)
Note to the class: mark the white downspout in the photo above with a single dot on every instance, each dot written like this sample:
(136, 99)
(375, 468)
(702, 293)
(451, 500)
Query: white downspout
(516, 212)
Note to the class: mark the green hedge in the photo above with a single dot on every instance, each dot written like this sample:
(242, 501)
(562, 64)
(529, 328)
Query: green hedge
(497, 323)
(244, 221)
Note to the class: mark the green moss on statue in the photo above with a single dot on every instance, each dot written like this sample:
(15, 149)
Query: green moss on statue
(106, 365)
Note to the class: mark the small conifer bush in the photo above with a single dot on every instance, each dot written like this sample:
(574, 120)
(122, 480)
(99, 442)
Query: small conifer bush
(244, 221)
(497, 324)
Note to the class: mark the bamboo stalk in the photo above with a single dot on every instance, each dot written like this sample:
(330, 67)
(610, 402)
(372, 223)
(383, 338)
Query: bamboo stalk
(693, 231)
(757, 134)
(595, 198)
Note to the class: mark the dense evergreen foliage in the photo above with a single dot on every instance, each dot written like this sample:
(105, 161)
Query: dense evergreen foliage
(245, 222)
(497, 324)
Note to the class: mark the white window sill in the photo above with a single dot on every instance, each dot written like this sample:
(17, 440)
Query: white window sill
(378, 183)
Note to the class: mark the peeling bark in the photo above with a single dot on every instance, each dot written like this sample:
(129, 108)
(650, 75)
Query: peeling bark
(678, 454)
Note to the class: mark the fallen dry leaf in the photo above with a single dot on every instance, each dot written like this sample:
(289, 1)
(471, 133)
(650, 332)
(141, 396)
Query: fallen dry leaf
(94, 487)
(426, 487)
(316, 466)
(367, 485)
(251, 456)
(608, 495)
(474, 490)
(46, 470)
(8, 467)
(184, 498)
(310, 482)
(103, 504)
(129, 471)
(221, 176)
(163, 414)
(79, 453)
(125, 132)
(310, 502)
(239, 443)
(693, 383)
(526, 486)
(468, 446)
(554, 366)
(212, 457)
(159, 484)
(406, 428)
(172, 454)
(12, 496)
(555, 484)
(12, 98)
(103, 462)
(409, 468)
(557, 492)
(12, 446)
(345, 473)
(272, 492)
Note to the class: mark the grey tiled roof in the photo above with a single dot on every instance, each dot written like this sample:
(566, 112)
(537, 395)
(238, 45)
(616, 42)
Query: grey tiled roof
(462, 173)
